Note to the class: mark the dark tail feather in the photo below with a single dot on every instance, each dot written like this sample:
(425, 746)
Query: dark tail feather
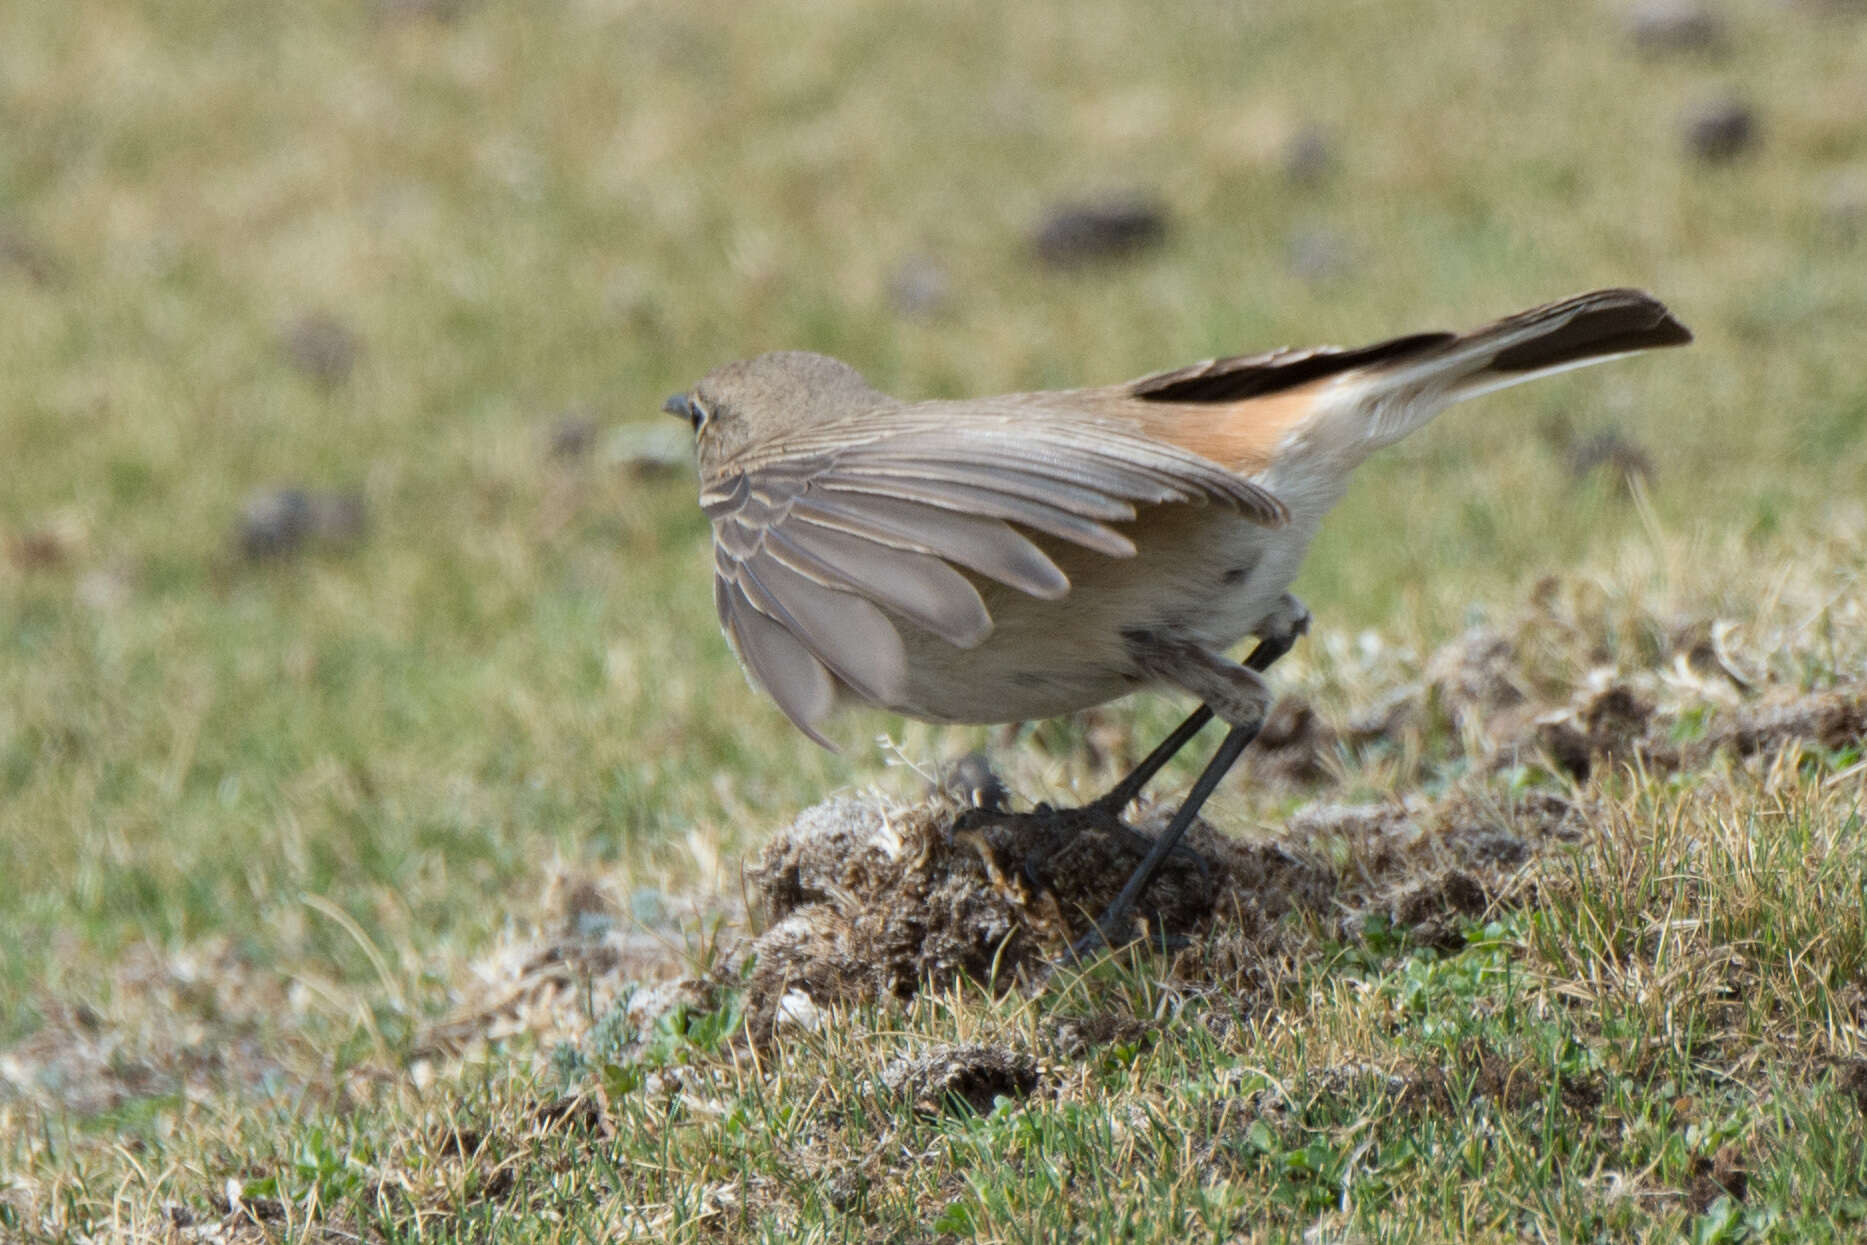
(1575, 332)
(1579, 329)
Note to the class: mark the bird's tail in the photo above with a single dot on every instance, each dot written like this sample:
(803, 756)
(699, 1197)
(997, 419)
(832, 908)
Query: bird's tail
(1405, 392)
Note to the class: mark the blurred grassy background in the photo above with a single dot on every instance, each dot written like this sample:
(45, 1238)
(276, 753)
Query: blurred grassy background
(519, 211)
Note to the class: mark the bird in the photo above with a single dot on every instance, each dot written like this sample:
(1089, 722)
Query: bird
(1028, 555)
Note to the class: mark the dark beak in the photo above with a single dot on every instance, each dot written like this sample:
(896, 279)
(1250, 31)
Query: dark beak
(678, 406)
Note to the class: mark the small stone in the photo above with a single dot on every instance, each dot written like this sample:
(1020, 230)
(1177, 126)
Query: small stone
(322, 347)
(1116, 227)
(571, 435)
(1720, 129)
(1658, 27)
(1625, 460)
(277, 523)
(798, 1010)
(24, 254)
(1308, 157)
(918, 287)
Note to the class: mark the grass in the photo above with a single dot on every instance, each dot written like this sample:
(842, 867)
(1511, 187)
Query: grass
(263, 824)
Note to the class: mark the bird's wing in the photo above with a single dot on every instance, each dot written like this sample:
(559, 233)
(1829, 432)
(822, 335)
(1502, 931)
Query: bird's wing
(813, 542)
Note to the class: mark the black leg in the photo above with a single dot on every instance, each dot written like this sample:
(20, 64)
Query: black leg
(1267, 651)
(1112, 920)
(1123, 793)
(1262, 657)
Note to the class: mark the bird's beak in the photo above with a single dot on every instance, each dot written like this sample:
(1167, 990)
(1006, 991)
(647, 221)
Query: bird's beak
(679, 406)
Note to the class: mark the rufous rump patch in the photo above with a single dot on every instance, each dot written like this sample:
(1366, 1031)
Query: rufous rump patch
(1242, 436)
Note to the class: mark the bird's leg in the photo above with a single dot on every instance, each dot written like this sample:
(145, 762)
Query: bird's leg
(1235, 693)
(1123, 793)
(1115, 917)
(1277, 635)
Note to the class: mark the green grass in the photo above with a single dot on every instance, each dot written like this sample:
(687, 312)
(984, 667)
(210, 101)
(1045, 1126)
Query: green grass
(258, 823)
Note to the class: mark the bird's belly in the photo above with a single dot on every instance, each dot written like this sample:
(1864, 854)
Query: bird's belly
(1200, 574)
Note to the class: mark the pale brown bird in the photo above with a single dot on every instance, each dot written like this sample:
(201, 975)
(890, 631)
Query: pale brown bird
(1024, 556)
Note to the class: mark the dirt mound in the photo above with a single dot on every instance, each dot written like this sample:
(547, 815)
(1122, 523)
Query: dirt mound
(870, 899)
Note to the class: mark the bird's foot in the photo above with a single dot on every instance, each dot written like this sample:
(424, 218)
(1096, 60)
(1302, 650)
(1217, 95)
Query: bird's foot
(1062, 828)
(1066, 849)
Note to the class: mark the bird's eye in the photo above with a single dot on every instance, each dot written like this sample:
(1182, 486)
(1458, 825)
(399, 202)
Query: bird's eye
(686, 407)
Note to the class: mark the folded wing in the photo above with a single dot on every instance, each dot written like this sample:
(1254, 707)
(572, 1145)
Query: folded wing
(817, 545)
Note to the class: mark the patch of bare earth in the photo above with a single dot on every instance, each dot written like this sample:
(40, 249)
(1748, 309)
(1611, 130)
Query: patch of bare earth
(1478, 686)
(187, 1025)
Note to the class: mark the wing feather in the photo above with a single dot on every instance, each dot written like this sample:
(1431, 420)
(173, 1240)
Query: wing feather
(993, 505)
(778, 662)
(845, 632)
(1074, 498)
(918, 586)
(990, 547)
(1039, 435)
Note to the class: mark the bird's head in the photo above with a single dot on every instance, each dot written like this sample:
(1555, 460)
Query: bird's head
(746, 410)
